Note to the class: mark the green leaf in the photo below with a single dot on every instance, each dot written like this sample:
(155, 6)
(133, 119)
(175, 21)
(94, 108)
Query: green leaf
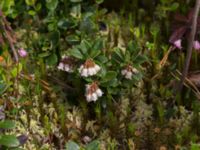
(76, 53)
(38, 7)
(85, 46)
(3, 88)
(174, 6)
(9, 141)
(133, 47)
(51, 4)
(76, 10)
(102, 59)
(16, 70)
(67, 23)
(31, 12)
(98, 44)
(44, 54)
(30, 2)
(72, 146)
(140, 59)
(75, 1)
(195, 146)
(99, 1)
(7, 124)
(54, 37)
(109, 76)
(72, 39)
(94, 145)
(52, 59)
(94, 53)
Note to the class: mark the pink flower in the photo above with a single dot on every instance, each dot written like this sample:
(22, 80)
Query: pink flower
(177, 44)
(196, 45)
(22, 52)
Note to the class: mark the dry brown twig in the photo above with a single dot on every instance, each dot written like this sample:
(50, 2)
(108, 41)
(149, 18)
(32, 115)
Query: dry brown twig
(9, 35)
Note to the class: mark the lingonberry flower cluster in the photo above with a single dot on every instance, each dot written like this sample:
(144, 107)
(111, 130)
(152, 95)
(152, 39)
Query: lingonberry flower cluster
(93, 92)
(89, 68)
(66, 64)
(129, 71)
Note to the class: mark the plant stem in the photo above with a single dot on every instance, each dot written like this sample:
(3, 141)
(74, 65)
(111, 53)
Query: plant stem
(190, 45)
(8, 33)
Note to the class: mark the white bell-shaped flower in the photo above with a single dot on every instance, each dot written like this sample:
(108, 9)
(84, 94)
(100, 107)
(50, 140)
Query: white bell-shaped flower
(89, 68)
(93, 92)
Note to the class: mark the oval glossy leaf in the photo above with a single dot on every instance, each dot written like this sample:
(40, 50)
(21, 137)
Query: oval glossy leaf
(109, 76)
(9, 141)
(51, 4)
(72, 39)
(75, 53)
(72, 146)
(52, 59)
(94, 145)
(7, 124)
(54, 37)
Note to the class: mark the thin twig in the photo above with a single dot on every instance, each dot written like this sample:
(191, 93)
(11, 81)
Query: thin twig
(8, 32)
(190, 44)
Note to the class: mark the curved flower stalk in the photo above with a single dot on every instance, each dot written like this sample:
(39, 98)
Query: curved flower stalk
(129, 71)
(89, 68)
(66, 64)
(93, 92)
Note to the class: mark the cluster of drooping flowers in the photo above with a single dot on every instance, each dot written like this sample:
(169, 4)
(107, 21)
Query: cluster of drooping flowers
(93, 92)
(66, 64)
(129, 71)
(89, 68)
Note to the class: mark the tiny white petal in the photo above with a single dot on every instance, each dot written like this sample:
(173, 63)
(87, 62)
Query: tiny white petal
(93, 71)
(60, 66)
(128, 75)
(123, 72)
(90, 71)
(94, 97)
(66, 68)
(84, 72)
(89, 98)
(97, 68)
(99, 92)
(87, 87)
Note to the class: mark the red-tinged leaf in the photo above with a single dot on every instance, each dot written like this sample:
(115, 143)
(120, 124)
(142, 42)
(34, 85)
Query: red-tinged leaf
(180, 18)
(178, 34)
